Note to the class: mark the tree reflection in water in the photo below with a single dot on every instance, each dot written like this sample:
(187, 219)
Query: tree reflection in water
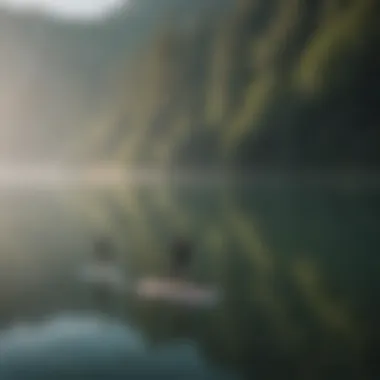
(297, 267)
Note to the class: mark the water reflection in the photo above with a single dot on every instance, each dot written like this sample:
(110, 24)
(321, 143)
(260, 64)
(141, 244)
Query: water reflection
(74, 346)
(298, 268)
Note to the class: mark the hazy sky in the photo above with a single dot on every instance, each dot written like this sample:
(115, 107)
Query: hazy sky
(78, 9)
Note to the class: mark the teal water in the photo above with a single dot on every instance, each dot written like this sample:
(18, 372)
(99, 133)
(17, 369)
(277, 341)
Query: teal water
(299, 268)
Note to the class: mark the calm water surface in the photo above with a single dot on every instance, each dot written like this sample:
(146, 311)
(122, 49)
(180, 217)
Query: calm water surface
(298, 267)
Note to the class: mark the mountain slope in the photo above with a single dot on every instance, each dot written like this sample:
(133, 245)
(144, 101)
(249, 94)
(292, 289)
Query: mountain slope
(178, 83)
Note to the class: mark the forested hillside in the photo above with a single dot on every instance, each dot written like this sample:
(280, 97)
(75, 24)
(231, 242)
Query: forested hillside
(272, 83)
(249, 83)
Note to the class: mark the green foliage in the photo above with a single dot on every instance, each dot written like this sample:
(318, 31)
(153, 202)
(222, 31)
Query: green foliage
(334, 45)
(232, 76)
(258, 83)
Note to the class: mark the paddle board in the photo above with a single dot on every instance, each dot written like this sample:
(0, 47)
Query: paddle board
(150, 288)
(177, 291)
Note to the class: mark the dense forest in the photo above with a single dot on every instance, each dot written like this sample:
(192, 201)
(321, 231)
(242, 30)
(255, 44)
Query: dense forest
(272, 83)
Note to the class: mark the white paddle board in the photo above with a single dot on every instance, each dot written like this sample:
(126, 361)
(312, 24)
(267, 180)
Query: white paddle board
(177, 291)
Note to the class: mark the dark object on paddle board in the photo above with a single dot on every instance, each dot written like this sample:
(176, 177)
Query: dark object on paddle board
(176, 289)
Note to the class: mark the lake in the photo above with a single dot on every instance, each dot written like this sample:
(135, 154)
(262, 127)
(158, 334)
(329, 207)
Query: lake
(298, 265)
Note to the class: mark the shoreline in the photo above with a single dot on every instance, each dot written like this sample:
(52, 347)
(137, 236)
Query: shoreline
(112, 174)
